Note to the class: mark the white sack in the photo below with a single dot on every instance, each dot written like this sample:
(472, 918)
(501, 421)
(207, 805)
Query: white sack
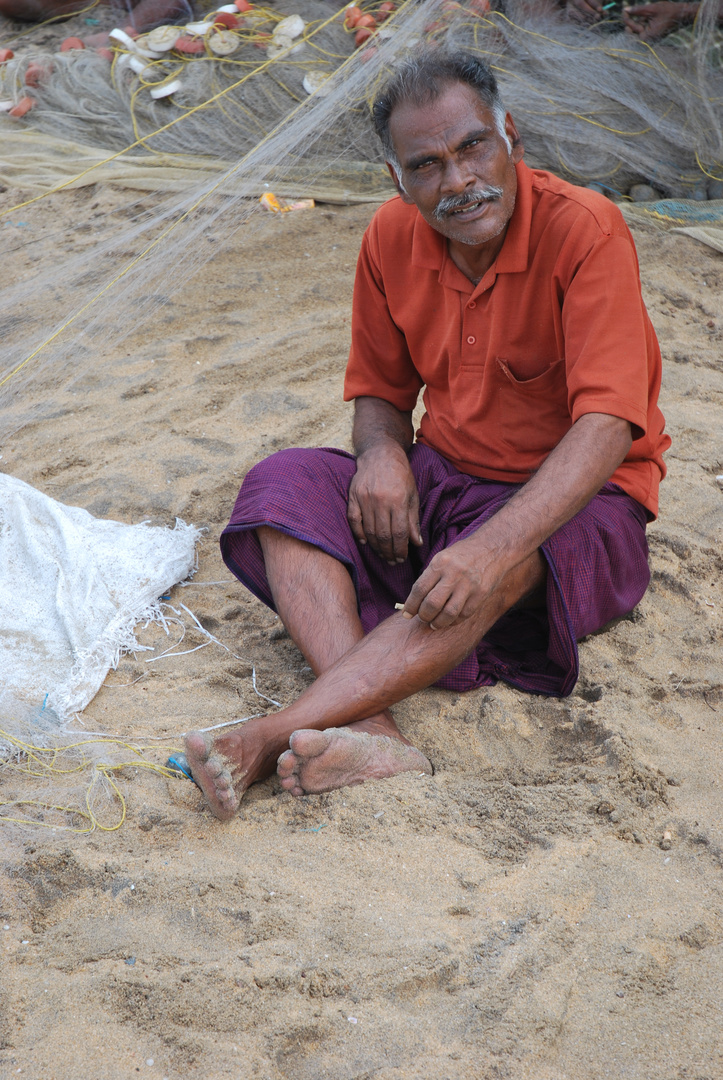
(72, 588)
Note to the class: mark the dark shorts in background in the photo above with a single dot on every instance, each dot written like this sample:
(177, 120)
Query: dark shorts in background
(597, 563)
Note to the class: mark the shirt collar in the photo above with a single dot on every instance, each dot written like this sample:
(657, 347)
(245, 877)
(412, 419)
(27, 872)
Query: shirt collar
(429, 248)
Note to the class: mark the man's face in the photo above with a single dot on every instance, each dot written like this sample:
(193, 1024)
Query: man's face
(456, 167)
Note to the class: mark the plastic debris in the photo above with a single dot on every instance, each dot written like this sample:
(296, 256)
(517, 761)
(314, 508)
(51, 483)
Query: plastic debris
(275, 205)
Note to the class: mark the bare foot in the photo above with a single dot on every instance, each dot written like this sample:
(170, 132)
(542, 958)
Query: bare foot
(225, 766)
(335, 758)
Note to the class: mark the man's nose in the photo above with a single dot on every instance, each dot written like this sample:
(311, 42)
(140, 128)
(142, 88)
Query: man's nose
(457, 176)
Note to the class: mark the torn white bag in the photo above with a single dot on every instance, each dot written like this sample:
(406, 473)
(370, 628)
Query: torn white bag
(72, 588)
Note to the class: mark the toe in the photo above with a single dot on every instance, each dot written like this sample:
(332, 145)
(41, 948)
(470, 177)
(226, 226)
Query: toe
(307, 743)
(287, 764)
(196, 748)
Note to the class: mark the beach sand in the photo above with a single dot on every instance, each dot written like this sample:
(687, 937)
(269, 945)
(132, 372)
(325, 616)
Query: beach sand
(517, 915)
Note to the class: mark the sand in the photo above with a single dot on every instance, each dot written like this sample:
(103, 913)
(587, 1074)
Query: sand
(519, 914)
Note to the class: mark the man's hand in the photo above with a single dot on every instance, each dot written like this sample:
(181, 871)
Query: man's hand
(652, 21)
(460, 579)
(588, 11)
(455, 584)
(383, 509)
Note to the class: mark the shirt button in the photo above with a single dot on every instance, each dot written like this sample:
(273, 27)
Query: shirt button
(471, 340)
(472, 303)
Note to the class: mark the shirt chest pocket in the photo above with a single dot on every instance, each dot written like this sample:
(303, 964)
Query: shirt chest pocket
(531, 415)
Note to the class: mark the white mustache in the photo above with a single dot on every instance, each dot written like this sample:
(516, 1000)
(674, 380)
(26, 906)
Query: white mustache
(457, 202)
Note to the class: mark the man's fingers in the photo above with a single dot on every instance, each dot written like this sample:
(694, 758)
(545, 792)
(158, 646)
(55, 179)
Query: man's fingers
(400, 535)
(415, 534)
(422, 586)
(433, 609)
(354, 517)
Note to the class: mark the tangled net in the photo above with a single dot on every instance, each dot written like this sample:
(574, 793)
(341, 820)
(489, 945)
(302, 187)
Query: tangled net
(591, 107)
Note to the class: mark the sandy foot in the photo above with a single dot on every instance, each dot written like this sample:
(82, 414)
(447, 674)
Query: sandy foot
(335, 758)
(213, 775)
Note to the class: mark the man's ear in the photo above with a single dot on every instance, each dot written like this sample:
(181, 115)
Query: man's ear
(518, 149)
(398, 184)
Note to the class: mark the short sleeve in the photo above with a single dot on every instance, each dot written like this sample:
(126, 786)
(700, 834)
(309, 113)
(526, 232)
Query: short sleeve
(379, 362)
(608, 335)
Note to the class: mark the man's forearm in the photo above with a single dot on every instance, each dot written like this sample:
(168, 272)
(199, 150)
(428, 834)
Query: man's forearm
(571, 475)
(377, 422)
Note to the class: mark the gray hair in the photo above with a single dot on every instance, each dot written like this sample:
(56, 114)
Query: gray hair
(422, 78)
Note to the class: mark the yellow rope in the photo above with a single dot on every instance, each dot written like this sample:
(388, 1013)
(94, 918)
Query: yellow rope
(101, 771)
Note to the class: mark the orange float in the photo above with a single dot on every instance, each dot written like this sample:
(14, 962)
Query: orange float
(243, 5)
(190, 45)
(23, 106)
(35, 73)
(224, 18)
(361, 36)
(5, 55)
(352, 17)
(71, 43)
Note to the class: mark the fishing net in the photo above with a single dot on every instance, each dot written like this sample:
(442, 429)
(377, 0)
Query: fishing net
(592, 106)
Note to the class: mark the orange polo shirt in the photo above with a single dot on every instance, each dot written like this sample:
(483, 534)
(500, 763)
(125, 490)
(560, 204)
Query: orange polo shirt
(555, 329)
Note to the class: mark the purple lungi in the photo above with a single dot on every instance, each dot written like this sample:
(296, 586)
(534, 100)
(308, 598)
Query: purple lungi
(597, 563)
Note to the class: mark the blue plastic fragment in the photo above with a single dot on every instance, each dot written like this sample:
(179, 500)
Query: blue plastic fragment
(131, 961)
(179, 764)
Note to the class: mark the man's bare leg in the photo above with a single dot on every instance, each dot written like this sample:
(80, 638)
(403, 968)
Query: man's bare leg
(395, 660)
(315, 598)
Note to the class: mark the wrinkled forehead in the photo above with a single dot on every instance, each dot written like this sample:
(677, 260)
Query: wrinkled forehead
(446, 119)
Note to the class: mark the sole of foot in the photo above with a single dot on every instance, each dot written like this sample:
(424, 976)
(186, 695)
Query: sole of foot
(319, 761)
(213, 776)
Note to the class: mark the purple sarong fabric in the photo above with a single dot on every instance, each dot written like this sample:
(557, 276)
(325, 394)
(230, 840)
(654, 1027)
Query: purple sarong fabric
(597, 563)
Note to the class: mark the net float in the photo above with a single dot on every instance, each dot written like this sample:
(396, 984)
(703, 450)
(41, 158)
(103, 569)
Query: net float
(107, 54)
(131, 31)
(279, 44)
(313, 81)
(291, 27)
(243, 5)
(5, 55)
(23, 106)
(190, 45)
(159, 92)
(352, 16)
(227, 9)
(225, 19)
(6, 106)
(163, 38)
(35, 73)
(361, 36)
(223, 42)
(120, 37)
(137, 64)
(71, 43)
(199, 28)
(366, 22)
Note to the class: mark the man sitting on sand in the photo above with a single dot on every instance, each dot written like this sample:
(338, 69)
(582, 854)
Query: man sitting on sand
(515, 524)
